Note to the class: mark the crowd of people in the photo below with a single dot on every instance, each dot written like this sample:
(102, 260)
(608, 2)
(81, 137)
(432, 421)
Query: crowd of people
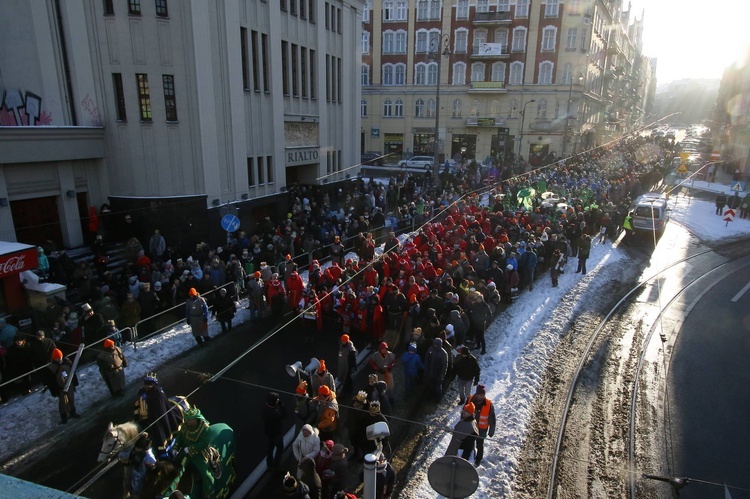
(481, 236)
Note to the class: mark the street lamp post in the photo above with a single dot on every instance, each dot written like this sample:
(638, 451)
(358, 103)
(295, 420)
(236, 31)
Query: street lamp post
(566, 136)
(437, 55)
(523, 118)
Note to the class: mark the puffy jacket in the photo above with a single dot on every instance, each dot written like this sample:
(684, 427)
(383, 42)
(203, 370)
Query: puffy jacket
(306, 446)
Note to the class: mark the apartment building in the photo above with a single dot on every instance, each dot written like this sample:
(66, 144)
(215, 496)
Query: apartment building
(175, 112)
(490, 79)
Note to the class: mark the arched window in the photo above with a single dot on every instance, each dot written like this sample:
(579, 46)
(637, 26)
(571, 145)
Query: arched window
(548, 38)
(495, 108)
(387, 107)
(419, 108)
(363, 108)
(387, 74)
(541, 108)
(400, 74)
(459, 73)
(477, 71)
(516, 73)
(420, 74)
(513, 108)
(432, 73)
(430, 108)
(567, 73)
(399, 111)
(498, 71)
(475, 107)
(365, 74)
(545, 73)
(457, 108)
(519, 39)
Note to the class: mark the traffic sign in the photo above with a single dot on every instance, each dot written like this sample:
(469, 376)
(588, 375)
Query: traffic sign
(682, 168)
(737, 186)
(728, 216)
(453, 476)
(230, 223)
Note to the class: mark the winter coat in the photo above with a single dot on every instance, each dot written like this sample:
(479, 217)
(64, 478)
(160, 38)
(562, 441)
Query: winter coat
(273, 419)
(584, 247)
(303, 446)
(150, 405)
(130, 313)
(412, 363)
(436, 362)
(466, 368)
(112, 364)
(224, 307)
(196, 315)
(464, 436)
(347, 360)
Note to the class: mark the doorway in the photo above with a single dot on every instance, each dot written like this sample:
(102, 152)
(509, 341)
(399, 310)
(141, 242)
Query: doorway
(37, 220)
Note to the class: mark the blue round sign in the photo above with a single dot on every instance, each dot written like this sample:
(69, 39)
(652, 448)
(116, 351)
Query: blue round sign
(230, 223)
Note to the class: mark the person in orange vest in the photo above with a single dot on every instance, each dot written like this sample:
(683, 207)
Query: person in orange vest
(484, 413)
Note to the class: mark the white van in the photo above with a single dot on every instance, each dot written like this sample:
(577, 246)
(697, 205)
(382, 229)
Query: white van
(650, 213)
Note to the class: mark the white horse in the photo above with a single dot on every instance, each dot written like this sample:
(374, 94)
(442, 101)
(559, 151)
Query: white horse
(116, 438)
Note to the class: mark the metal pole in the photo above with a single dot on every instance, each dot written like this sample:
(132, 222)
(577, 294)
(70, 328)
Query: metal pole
(370, 486)
(567, 118)
(436, 151)
(73, 368)
(523, 118)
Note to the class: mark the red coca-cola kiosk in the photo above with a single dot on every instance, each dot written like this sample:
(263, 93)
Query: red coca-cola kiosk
(14, 259)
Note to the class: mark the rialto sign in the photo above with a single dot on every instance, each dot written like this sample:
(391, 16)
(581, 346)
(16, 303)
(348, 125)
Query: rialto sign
(296, 157)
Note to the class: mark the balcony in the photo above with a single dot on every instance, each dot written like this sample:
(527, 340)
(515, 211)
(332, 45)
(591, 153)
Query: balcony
(492, 18)
(487, 87)
(490, 51)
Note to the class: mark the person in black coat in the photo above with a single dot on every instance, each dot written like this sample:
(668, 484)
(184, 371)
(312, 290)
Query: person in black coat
(224, 309)
(19, 361)
(150, 405)
(274, 414)
(584, 250)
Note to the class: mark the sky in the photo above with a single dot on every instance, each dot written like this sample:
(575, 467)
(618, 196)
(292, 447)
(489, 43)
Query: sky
(693, 38)
(511, 371)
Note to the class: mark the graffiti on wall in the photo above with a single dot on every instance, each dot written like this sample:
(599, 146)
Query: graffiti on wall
(22, 109)
(92, 110)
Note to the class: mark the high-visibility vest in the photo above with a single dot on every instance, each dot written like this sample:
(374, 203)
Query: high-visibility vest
(628, 223)
(483, 421)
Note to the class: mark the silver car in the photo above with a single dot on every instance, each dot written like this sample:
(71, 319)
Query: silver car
(417, 162)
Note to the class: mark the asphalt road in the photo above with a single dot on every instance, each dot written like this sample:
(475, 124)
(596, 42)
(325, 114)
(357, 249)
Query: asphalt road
(236, 399)
(708, 391)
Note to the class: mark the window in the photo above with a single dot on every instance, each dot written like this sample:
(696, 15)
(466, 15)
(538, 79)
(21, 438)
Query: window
(420, 74)
(459, 73)
(313, 87)
(243, 54)
(477, 71)
(339, 77)
(567, 74)
(119, 97)
(475, 107)
(250, 172)
(480, 37)
(387, 108)
(513, 108)
(401, 9)
(516, 73)
(460, 41)
(548, 38)
(431, 108)
(574, 6)
(326, 13)
(545, 73)
(303, 9)
(551, 8)
(572, 38)
(419, 109)
(498, 71)
(495, 107)
(483, 5)
(389, 13)
(462, 9)
(422, 10)
(457, 106)
(339, 21)
(501, 37)
(282, 5)
(365, 42)
(400, 47)
(432, 73)
(400, 74)
(363, 108)
(388, 74)
(260, 171)
(399, 109)
(295, 70)
(134, 7)
(503, 6)
(388, 42)
(144, 97)
(522, 8)
(161, 8)
(269, 169)
(435, 9)
(519, 39)
(266, 71)
(109, 8)
(365, 11)
(293, 7)
(284, 67)
(365, 74)
(421, 46)
(303, 69)
(311, 10)
(541, 109)
(170, 101)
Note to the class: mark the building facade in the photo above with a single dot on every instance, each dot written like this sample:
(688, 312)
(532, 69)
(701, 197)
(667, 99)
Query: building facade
(175, 112)
(528, 77)
(732, 120)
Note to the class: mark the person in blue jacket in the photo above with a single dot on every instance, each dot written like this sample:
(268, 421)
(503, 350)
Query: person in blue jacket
(413, 367)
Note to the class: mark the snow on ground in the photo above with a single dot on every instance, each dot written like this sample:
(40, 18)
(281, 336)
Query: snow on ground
(520, 342)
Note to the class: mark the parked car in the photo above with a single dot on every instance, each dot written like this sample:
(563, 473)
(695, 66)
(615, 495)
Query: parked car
(417, 162)
(651, 213)
(374, 158)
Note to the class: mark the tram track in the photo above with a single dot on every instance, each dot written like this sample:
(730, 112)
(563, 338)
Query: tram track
(604, 389)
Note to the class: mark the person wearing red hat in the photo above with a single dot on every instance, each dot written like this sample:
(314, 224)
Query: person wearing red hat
(327, 412)
(382, 362)
(347, 363)
(112, 364)
(465, 434)
(196, 316)
(322, 377)
(57, 373)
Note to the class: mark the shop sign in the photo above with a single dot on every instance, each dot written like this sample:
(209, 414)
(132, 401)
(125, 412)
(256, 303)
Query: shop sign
(302, 156)
(393, 138)
(485, 121)
(15, 263)
(422, 129)
(375, 131)
(545, 126)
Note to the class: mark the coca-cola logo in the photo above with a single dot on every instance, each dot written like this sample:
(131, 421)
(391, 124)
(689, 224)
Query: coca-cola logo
(13, 265)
